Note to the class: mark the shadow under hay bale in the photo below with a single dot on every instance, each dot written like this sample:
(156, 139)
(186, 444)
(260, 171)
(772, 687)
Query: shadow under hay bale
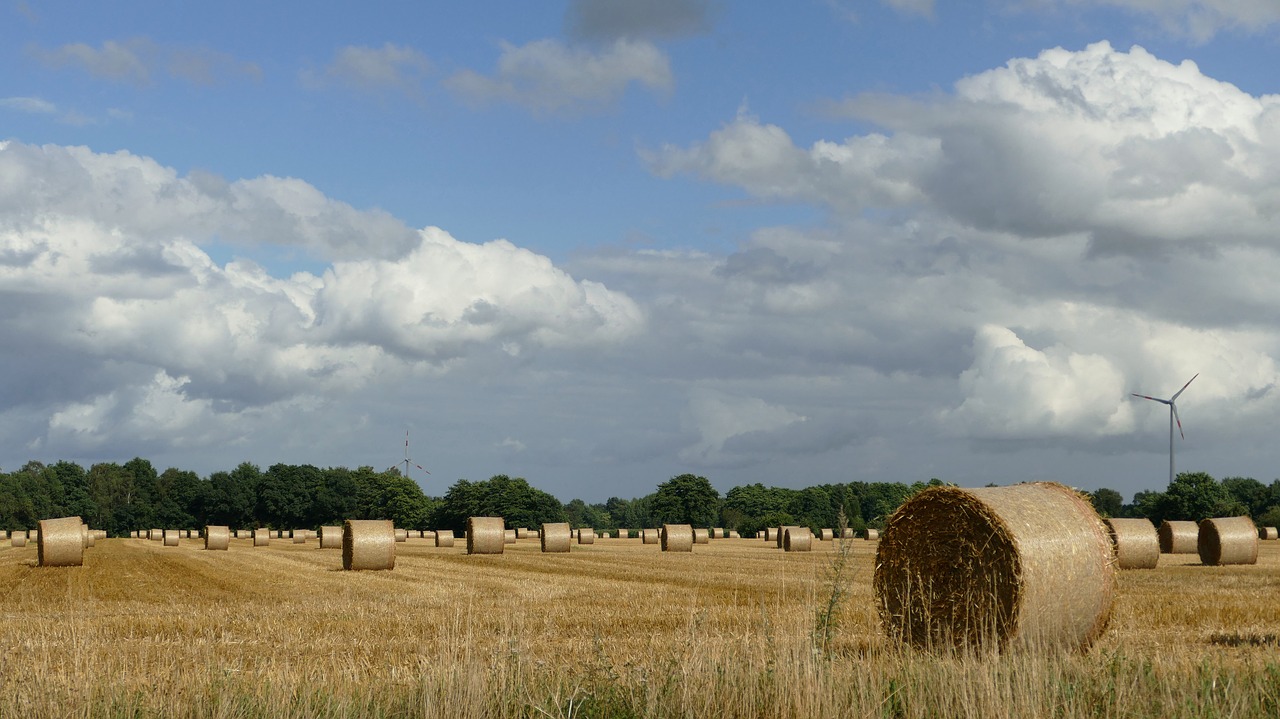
(485, 535)
(443, 537)
(677, 538)
(60, 542)
(555, 537)
(797, 539)
(1027, 566)
(1227, 540)
(368, 544)
(586, 535)
(216, 538)
(1135, 542)
(1178, 537)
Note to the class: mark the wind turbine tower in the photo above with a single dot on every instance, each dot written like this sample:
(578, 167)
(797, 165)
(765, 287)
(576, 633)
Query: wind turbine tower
(1173, 417)
(407, 462)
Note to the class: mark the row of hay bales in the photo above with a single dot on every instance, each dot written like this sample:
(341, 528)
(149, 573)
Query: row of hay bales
(1219, 541)
(60, 542)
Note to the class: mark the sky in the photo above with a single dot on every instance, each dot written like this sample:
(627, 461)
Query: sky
(598, 243)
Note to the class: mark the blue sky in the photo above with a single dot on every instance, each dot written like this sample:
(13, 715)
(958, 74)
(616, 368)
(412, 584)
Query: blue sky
(598, 243)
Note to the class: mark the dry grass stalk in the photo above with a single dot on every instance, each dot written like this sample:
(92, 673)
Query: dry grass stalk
(1027, 566)
(1136, 544)
(368, 544)
(1178, 537)
(782, 533)
(485, 535)
(61, 542)
(171, 537)
(262, 537)
(677, 537)
(217, 538)
(1268, 533)
(651, 536)
(556, 537)
(872, 535)
(1227, 540)
(586, 535)
(18, 538)
(701, 536)
(826, 535)
(797, 539)
(330, 537)
(443, 537)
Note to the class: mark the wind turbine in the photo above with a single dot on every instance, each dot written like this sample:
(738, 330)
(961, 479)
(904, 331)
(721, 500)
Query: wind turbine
(407, 461)
(1173, 417)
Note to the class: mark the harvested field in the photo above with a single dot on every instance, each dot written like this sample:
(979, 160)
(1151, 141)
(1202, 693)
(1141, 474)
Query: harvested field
(115, 637)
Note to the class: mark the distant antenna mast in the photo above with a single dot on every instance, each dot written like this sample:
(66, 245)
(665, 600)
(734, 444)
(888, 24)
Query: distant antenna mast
(407, 462)
(1173, 417)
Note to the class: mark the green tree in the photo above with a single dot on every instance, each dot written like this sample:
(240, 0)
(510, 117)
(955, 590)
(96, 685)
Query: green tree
(1108, 502)
(686, 499)
(1196, 495)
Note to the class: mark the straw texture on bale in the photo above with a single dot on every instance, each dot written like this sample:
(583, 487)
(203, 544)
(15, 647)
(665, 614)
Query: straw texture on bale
(1135, 542)
(18, 538)
(1178, 537)
(1268, 533)
(155, 535)
(555, 537)
(428, 534)
(677, 538)
(171, 537)
(797, 539)
(400, 535)
(485, 535)
(733, 534)
(522, 532)
(873, 534)
(87, 536)
(368, 544)
(826, 535)
(782, 534)
(1227, 540)
(443, 537)
(330, 537)
(718, 533)
(1027, 566)
(61, 542)
(586, 535)
(624, 534)
(651, 536)
(701, 536)
(847, 533)
(771, 534)
(261, 537)
(4, 534)
(217, 537)
(299, 536)
(509, 536)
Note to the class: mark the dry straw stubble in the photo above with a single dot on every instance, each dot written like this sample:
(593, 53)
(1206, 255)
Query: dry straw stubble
(1028, 566)
(368, 544)
(1135, 541)
(61, 542)
(1227, 540)
(485, 535)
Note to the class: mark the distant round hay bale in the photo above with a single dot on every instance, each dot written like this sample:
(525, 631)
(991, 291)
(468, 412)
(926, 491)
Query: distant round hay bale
(4, 534)
(797, 539)
(1025, 566)
(586, 535)
(87, 536)
(18, 538)
(650, 536)
(701, 536)
(522, 532)
(299, 536)
(782, 533)
(555, 537)
(826, 535)
(330, 537)
(847, 533)
(733, 534)
(217, 538)
(443, 537)
(771, 534)
(718, 533)
(1178, 537)
(399, 535)
(1268, 533)
(60, 542)
(1227, 540)
(509, 536)
(872, 535)
(262, 537)
(368, 544)
(677, 538)
(485, 535)
(155, 535)
(171, 537)
(624, 534)
(1136, 543)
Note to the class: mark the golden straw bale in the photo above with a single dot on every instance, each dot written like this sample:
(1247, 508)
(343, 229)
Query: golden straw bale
(624, 534)
(509, 536)
(1268, 533)
(60, 542)
(87, 536)
(299, 536)
(522, 532)
(677, 538)
(586, 536)
(368, 544)
(872, 535)
(399, 535)
(782, 534)
(555, 537)
(1136, 543)
(826, 535)
(701, 536)
(651, 536)
(797, 539)
(485, 535)
(262, 537)
(1227, 540)
(771, 535)
(4, 534)
(443, 537)
(1178, 537)
(718, 533)
(330, 537)
(217, 537)
(171, 537)
(18, 538)
(733, 534)
(155, 535)
(847, 533)
(1026, 566)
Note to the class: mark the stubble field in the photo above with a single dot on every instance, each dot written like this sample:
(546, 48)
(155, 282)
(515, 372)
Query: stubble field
(614, 629)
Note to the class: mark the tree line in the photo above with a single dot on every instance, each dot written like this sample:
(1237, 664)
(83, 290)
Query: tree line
(123, 497)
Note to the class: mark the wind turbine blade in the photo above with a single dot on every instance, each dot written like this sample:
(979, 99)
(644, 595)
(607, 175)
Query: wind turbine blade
(1153, 399)
(1184, 387)
(424, 469)
(1174, 408)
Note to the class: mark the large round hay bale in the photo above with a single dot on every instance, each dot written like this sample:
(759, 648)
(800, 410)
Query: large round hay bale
(826, 535)
(1024, 566)
(782, 534)
(330, 537)
(771, 535)
(485, 535)
(368, 544)
(1135, 542)
(701, 536)
(443, 537)
(171, 537)
(872, 535)
(1268, 533)
(677, 537)
(624, 534)
(60, 542)
(797, 539)
(1227, 540)
(509, 536)
(1178, 537)
(18, 538)
(217, 537)
(718, 533)
(555, 537)
(586, 535)
(262, 537)
(155, 535)
(400, 535)
(299, 536)
(651, 536)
